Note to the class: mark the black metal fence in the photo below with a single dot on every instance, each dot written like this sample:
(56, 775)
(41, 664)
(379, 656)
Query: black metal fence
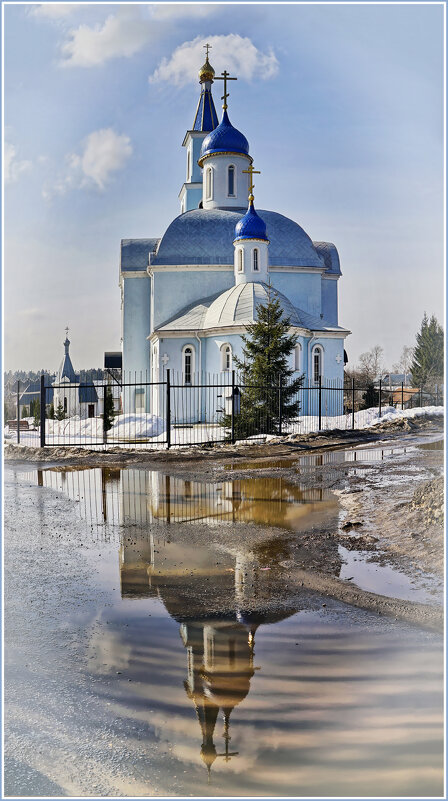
(210, 408)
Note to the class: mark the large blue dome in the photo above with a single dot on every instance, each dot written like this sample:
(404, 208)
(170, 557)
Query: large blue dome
(251, 226)
(224, 139)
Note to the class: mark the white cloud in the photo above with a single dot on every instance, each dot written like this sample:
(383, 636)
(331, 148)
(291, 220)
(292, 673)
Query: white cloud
(13, 167)
(173, 11)
(103, 153)
(54, 10)
(123, 34)
(233, 52)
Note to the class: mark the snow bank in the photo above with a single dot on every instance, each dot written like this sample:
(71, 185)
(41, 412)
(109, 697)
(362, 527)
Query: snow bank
(133, 426)
(390, 414)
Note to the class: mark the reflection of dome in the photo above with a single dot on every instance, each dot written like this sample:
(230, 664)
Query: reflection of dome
(251, 226)
(224, 139)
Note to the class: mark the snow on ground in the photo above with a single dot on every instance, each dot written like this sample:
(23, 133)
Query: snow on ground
(149, 430)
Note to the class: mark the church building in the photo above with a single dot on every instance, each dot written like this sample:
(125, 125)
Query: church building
(188, 296)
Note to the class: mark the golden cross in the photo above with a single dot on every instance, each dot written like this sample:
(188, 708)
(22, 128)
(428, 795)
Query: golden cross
(207, 47)
(225, 77)
(250, 171)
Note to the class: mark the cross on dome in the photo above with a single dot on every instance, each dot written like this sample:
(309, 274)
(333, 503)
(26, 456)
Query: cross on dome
(250, 171)
(225, 76)
(207, 48)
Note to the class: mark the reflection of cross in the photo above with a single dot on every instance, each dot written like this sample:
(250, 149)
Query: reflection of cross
(225, 78)
(250, 171)
(339, 358)
(227, 754)
(165, 359)
(207, 48)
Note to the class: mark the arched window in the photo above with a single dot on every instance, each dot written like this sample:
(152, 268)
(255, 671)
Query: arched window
(240, 260)
(231, 181)
(298, 357)
(317, 363)
(255, 260)
(188, 364)
(226, 357)
(208, 183)
(188, 164)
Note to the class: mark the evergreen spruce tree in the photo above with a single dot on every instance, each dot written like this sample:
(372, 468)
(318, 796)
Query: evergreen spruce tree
(370, 398)
(427, 365)
(264, 378)
(24, 411)
(109, 410)
(51, 412)
(59, 412)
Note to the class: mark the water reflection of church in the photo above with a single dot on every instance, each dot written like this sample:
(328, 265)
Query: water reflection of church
(216, 587)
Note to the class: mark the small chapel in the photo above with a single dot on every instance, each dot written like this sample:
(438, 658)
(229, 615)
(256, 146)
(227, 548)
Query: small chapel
(188, 295)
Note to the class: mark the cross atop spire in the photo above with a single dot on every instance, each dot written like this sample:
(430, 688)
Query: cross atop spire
(207, 48)
(250, 171)
(225, 77)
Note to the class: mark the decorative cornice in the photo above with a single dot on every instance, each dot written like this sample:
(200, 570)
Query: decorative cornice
(201, 159)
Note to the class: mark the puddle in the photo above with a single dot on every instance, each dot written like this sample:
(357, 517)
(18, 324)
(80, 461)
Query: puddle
(143, 497)
(156, 662)
(261, 464)
(368, 574)
(437, 445)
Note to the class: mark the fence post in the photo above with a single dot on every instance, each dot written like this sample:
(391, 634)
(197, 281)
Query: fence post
(18, 412)
(402, 397)
(379, 403)
(232, 412)
(280, 405)
(104, 414)
(353, 402)
(42, 410)
(320, 402)
(168, 409)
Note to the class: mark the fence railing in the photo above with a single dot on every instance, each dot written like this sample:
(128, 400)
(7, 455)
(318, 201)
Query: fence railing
(206, 409)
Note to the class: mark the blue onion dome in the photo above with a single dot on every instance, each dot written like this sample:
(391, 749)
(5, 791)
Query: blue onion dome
(251, 226)
(224, 139)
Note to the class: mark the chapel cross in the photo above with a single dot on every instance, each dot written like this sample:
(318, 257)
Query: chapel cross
(207, 48)
(66, 332)
(225, 77)
(339, 358)
(250, 171)
(165, 359)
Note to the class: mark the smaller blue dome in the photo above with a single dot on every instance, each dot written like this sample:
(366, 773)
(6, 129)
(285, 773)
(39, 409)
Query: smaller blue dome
(251, 226)
(224, 139)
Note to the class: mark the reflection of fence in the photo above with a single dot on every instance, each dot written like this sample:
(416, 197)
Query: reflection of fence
(208, 409)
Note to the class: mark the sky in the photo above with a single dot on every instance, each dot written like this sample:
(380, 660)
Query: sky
(343, 109)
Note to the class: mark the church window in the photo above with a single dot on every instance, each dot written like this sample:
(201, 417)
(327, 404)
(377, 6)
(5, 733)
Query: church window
(317, 364)
(298, 357)
(188, 364)
(188, 164)
(226, 357)
(240, 260)
(255, 260)
(208, 183)
(231, 181)
(139, 399)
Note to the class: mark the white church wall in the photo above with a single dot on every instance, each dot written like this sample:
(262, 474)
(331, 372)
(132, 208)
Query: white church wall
(302, 289)
(219, 196)
(175, 289)
(136, 329)
(329, 293)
